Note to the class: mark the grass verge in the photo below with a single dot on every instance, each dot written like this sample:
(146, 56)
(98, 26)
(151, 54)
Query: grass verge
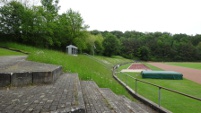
(5, 52)
(173, 102)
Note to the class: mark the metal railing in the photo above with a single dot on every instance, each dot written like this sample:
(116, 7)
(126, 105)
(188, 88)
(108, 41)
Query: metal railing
(159, 88)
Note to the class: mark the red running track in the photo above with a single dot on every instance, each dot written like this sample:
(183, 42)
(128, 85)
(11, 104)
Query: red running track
(138, 66)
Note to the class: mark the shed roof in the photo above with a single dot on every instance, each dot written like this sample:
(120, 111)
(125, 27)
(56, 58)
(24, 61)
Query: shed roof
(71, 46)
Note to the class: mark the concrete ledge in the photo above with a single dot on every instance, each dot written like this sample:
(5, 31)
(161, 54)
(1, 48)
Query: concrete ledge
(42, 77)
(46, 77)
(16, 71)
(56, 73)
(18, 79)
(5, 79)
(21, 79)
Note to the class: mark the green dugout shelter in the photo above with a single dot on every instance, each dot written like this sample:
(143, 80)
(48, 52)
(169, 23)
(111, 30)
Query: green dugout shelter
(162, 75)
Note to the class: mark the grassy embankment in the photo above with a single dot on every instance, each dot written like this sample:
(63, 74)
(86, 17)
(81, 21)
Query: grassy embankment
(96, 68)
(171, 101)
(5, 52)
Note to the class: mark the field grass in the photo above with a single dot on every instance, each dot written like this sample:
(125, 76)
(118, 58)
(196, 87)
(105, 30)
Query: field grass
(171, 101)
(152, 67)
(194, 65)
(97, 68)
(6, 52)
(124, 66)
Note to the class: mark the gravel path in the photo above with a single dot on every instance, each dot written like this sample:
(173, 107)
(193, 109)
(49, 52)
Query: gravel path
(188, 73)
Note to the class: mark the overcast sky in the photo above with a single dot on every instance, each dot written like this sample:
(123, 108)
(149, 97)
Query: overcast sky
(174, 16)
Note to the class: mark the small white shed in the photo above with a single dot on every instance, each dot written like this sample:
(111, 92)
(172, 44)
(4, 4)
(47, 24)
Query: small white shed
(71, 50)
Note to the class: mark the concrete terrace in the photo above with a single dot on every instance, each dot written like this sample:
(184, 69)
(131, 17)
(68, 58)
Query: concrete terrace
(16, 71)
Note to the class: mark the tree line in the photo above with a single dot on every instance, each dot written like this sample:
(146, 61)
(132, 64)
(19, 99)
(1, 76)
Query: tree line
(154, 46)
(43, 26)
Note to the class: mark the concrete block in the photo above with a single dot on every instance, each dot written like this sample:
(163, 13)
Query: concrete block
(5, 79)
(56, 73)
(42, 77)
(21, 79)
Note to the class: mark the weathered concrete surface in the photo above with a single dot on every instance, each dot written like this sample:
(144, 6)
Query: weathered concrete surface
(5, 79)
(94, 101)
(46, 77)
(63, 96)
(121, 104)
(105, 101)
(20, 72)
(6, 61)
(20, 66)
(21, 79)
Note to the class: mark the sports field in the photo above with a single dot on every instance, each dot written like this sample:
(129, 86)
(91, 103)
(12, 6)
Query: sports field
(188, 73)
(171, 101)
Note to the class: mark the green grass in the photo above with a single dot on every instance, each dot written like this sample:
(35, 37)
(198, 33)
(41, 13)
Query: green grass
(97, 68)
(124, 66)
(6, 52)
(152, 67)
(194, 65)
(171, 101)
(114, 60)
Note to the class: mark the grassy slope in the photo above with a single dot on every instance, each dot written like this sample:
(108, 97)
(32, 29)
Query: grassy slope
(5, 52)
(188, 64)
(171, 101)
(88, 68)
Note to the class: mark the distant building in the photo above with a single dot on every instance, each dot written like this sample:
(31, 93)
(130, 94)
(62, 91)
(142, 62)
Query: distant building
(71, 50)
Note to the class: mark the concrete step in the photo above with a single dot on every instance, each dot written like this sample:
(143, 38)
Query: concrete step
(94, 100)
(121, 104)
(63, 96)
(16, 71)
(139, 107)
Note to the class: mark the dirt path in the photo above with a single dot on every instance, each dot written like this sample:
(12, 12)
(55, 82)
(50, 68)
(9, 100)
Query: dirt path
(188, 73)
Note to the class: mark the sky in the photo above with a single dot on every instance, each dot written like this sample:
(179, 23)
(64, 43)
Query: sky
(173, 16)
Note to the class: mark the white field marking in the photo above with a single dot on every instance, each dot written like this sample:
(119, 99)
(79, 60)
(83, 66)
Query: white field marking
(130, 65)
(134, 70)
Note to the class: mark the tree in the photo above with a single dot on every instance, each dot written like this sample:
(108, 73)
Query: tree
(198, 51)
(11, 18)
(118, 34)
(143, 53)
(111, 45)
(129, 47)
(164, 46)
(98, 44)
(51, 8)
(95, 32)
